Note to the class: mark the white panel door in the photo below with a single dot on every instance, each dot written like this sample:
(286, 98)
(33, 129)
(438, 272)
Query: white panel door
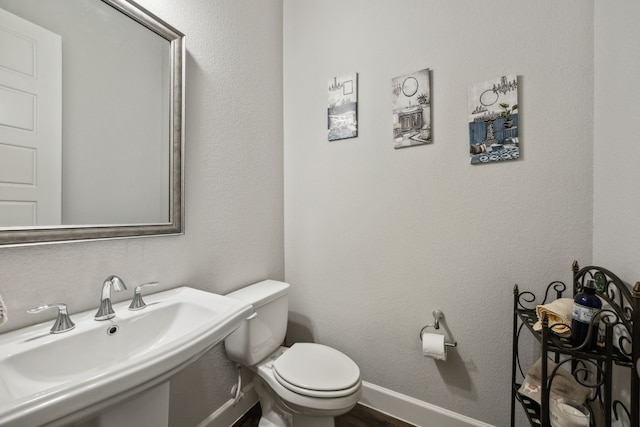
(30, 123)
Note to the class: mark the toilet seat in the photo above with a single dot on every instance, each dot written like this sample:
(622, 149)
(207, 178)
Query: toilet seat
(317, 370)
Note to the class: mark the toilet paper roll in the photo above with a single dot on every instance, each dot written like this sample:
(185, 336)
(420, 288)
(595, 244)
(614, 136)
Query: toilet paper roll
(433, 346)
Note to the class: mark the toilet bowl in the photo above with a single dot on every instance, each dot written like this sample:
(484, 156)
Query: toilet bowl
(305, 385)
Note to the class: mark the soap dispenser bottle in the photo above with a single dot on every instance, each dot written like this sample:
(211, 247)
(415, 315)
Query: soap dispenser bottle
(585, 305)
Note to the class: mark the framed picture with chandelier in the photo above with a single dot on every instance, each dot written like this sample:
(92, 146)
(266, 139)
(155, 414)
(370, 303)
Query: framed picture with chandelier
(493, 120)
(411, 105)
(342, 110)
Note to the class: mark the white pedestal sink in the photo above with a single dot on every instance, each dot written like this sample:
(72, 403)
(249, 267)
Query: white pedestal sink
(57, 378)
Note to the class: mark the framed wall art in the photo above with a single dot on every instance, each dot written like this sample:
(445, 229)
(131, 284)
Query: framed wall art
(411, 109)
(342, 111)
(493, 120)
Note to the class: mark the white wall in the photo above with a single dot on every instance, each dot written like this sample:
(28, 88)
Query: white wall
(234, 193)
(616, 228)
(376, 238)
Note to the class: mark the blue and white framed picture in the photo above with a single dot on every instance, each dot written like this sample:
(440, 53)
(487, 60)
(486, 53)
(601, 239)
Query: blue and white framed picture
(342, 111)
(493, 120)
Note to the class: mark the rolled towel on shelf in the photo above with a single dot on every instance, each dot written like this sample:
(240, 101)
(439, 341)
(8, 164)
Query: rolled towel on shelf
(3, 312)
(559, 314)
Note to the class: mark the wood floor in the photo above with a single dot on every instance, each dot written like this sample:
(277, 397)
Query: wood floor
(360, 416)
(251, 418)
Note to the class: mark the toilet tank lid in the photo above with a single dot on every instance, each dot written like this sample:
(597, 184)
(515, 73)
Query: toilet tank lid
(260, 293)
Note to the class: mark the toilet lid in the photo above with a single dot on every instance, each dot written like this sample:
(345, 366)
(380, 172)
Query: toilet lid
(308, 367)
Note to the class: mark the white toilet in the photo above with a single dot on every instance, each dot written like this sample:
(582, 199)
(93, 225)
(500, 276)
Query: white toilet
(305, 385)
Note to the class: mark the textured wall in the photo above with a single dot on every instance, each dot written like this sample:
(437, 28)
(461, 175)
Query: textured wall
(376, 238)
(234, 192)
(616, 229)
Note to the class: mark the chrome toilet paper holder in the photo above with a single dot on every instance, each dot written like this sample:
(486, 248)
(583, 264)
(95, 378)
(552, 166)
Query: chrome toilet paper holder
(437, 316)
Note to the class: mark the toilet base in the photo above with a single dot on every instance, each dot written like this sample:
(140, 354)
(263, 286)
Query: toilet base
(274, 413)
(265, 422)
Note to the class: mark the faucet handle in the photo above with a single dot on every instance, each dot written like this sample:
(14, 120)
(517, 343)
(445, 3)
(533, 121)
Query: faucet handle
(63, 323)
(137, 303)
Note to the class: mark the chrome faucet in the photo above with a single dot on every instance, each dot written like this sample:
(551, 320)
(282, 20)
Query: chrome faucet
(106, 311)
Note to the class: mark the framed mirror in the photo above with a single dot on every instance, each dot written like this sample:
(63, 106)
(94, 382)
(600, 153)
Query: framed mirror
(91, 122)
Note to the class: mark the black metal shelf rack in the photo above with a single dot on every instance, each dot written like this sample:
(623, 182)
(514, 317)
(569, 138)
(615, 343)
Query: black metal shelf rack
(621, 347)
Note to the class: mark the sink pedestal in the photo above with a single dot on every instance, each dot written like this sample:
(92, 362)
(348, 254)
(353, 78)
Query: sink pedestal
(149, 408)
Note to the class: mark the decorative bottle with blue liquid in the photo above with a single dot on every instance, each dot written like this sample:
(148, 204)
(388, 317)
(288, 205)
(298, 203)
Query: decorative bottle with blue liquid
(585, 305)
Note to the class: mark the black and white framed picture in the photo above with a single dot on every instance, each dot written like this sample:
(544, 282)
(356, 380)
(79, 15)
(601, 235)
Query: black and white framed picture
(411, 109)
(342, 111)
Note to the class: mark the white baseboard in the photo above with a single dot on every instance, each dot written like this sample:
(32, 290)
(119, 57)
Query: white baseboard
(413, 411)
(228, 414)
(400, 406)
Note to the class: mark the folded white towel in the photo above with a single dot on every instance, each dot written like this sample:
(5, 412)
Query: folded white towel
(563, 385)
(559, 314)
(3, 312)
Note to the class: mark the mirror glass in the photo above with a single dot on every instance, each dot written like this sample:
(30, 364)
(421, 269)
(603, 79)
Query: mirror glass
(91, 136)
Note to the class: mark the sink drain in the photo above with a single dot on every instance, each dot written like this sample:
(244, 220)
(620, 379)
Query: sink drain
(112, 329)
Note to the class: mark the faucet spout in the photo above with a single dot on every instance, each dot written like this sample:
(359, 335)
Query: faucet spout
(106, 310)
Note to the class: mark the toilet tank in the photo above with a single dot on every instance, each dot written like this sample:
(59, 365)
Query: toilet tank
(262, 334)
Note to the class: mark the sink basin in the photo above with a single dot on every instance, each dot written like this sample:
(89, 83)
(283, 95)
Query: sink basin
(46, 378)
